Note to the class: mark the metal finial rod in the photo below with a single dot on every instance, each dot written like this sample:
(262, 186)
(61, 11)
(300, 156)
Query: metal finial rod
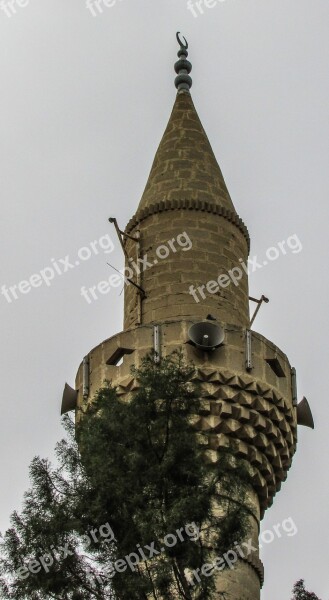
(183, 67)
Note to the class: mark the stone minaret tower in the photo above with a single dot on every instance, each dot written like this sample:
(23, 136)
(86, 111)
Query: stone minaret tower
(186, 252)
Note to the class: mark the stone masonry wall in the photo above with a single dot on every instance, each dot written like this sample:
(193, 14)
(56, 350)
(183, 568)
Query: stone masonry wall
(217, 246)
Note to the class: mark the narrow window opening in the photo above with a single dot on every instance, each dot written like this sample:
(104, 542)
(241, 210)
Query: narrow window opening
(116, 358)
(276, 367)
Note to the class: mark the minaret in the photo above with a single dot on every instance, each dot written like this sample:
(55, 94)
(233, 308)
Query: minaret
(186, 267)
(186, 191)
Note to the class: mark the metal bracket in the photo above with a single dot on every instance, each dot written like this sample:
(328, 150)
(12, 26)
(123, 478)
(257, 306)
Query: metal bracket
(123, 234)
(142, 293)
(259, 302)
(140, 289)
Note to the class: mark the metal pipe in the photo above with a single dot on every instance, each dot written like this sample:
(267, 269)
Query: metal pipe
(85, 377)
(294, 386)
(156, 343)
(248, 350)
(139, 282)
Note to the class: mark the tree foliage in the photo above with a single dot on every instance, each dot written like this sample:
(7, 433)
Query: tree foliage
(301, 594)
(136, 469)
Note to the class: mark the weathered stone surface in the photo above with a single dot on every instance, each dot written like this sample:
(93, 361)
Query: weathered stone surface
(185, 146)
(250, 411)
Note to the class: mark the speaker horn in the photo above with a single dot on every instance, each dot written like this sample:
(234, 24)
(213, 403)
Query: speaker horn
(69, 400)
(304, 414)
(206, 336)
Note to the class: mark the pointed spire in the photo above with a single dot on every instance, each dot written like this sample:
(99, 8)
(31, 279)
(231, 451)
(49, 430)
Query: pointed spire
(185, 172)
(183, 66)
(185, 166)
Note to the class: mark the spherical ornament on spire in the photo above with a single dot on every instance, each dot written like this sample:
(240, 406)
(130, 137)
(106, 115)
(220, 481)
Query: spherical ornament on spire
(183, 67)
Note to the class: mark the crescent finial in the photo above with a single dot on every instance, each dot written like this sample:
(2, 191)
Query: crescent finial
(183, 66)
(185, 47)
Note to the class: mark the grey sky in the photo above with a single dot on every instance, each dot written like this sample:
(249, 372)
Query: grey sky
(84, 103)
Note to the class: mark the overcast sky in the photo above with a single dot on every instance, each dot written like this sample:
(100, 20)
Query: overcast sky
(84, 102)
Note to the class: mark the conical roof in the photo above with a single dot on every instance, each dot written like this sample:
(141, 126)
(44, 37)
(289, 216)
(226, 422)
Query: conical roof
(185, 167)
(185, 173)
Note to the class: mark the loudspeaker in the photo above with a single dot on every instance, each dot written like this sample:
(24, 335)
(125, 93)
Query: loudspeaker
(304, 414)
(206, 336)
(69, 400)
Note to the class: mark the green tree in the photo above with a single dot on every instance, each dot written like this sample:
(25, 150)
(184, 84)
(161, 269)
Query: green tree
(129, 474)
(301, 594)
